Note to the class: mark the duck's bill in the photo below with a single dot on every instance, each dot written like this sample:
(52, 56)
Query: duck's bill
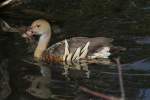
(28, 34)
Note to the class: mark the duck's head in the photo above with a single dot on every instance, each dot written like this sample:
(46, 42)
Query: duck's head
(38, 27)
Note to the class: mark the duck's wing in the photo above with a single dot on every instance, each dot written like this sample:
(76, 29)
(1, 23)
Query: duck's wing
(95, 45)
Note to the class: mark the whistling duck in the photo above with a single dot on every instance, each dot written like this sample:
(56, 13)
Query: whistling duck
(73, 49)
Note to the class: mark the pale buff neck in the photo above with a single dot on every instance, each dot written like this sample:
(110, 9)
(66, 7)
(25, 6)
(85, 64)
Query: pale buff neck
(42, 44)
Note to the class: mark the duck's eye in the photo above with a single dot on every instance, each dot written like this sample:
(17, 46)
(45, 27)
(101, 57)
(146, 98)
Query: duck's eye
(38, 26)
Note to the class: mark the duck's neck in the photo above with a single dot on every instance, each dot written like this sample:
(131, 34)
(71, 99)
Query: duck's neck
(42, 45)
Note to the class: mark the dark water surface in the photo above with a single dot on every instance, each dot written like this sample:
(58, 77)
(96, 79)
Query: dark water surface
(37, 81)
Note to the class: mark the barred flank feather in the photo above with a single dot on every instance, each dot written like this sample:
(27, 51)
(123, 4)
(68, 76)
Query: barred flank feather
(51, 58)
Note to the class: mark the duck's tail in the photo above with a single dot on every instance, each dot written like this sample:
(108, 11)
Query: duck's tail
(117, 49)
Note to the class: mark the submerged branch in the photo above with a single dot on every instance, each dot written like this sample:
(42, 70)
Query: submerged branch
(6, 27)
(13, 3)
(98, 94)
(120, 78)
(127, 74)
(6, 2)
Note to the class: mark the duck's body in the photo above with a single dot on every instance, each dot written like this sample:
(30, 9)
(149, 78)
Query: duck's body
(96, 44)
(72, 49)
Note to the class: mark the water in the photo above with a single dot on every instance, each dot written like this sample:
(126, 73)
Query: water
(35, 81)
(126, 21)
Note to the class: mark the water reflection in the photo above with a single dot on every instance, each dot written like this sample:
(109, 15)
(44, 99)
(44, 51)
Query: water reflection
(5, 89)
(82, 66)
(49, 81)
(144, 94)
(33, 81)
(142, 65)
(143, 40)
(79, 67)
(43, 85)
(39, 87)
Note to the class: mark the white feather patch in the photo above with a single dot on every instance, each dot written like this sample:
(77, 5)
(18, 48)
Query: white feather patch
(66, 53)
(69, 58)
(84, 51)
(76, 54)
(104, 53)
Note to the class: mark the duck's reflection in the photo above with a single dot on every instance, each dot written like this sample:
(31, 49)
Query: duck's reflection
(52, 81)
(80, 67)
(83, 66)
(40, 85)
